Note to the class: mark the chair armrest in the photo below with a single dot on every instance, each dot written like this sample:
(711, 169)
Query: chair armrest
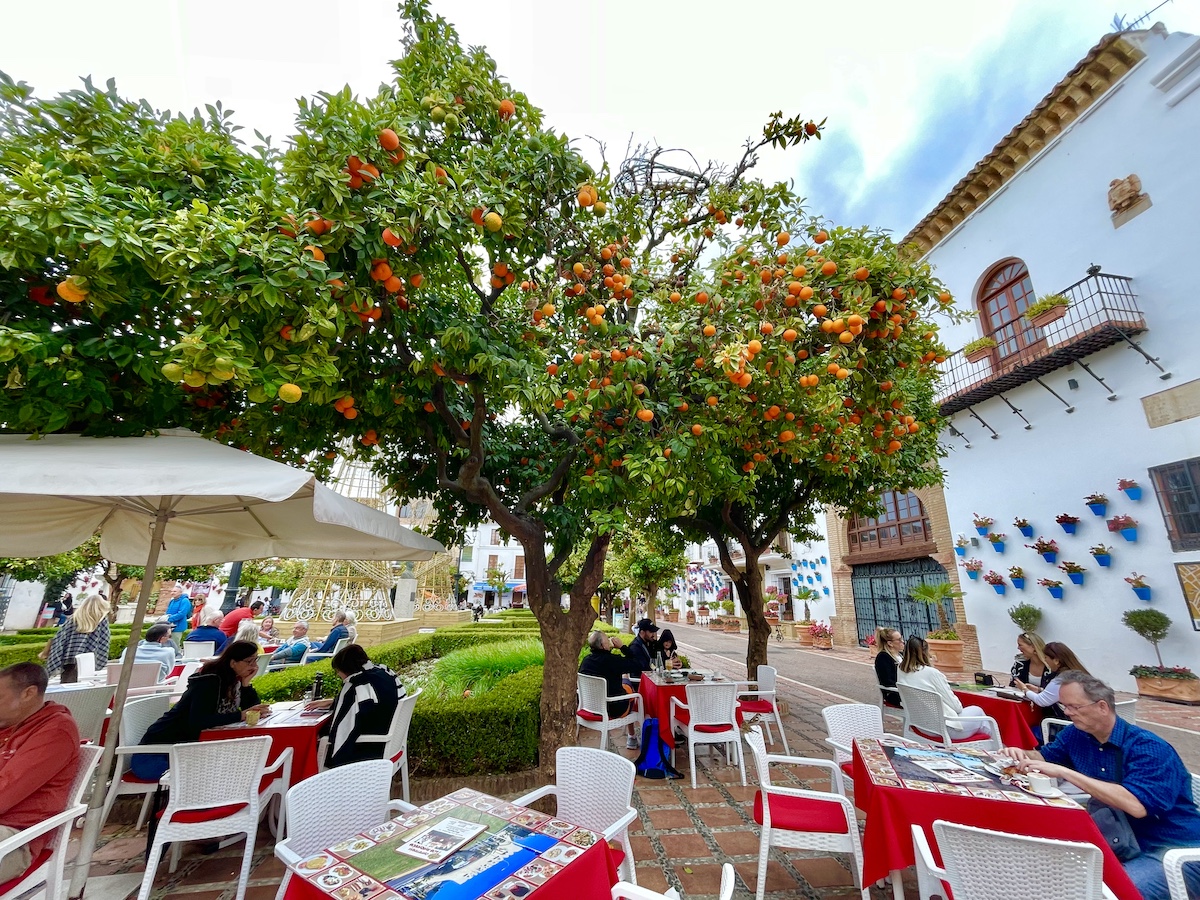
(130, 749)
(620, 825)
(623, 890)
(1173, 861)
(637, 698)
(24, 837)
(287, 855)
(835, 771)
(929, 873)
(284, 762)
(749, 685)
(400, 806)
(371, 739)
(676, 702)
(544, 791)
(839, 746)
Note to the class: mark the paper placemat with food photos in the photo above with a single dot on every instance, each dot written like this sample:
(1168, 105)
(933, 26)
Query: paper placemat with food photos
(464, 846)
(963, 771)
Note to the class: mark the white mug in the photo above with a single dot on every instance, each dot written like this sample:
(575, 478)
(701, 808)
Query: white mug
(1039, 783)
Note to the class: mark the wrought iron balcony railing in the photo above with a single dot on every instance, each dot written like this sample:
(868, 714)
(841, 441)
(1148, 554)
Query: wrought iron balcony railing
(1103, 312)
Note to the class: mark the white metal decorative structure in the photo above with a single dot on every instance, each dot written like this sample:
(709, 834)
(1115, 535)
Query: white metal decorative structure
(765, 703)
(799, 819)
(980, 864)
(846, 721)
(332, 805)
(710, 717)
(89, 708)
(139, 715)
(395, 742)
(592, 711)
(925, 720)
(594, 788)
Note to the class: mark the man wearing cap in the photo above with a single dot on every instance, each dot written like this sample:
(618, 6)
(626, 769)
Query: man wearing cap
(643, 647)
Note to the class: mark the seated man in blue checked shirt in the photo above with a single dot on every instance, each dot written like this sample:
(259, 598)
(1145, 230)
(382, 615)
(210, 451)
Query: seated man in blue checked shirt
(1128, 768)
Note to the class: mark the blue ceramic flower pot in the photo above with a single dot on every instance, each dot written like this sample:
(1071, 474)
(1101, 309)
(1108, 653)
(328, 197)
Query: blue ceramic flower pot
(999, 589)
(1076, 577)
(998, 546)
(1068, 527)
(982, 531)
(1027, 531)
(1055, 592)
(1098, 509)
(1050, 557)
(1104, 560)
(961, 551)
(1134, 493)
(1019, 583)
(972, 574)
(1142, 593)
(1130, 534)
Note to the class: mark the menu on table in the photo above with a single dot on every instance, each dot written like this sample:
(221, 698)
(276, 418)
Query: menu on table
(962, 771)
(464, 846)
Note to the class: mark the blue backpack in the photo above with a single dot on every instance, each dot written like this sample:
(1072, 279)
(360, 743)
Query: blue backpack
(655, 758)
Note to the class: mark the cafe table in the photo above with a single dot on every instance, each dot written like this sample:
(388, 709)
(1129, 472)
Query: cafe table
(464, 846)
(657, 689)
(286, 726)
(1018, 719)
(896, 793)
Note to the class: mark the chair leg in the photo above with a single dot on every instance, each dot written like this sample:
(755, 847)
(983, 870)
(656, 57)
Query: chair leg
(692, 758)
(742, 760)
(764, 847)
(628, 869)
(176, 853)
(782, 736)
(141, 822)
(151, 870)
(247, 858)
(283, 885)
(404, 776)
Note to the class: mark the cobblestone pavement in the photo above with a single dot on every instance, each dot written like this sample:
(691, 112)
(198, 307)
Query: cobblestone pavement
(683, 835)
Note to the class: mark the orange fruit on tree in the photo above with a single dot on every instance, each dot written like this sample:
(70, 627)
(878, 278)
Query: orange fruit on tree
(391, 238)
(368, 172)
(755, 346)
(477, 215)
(710, 330)
(711, 400)
(821, 236)
(820, 310)
(790, 334)
(799, 272)
(645, 415)
(290, 393)
(702, 297)
(682, 407)
(829, 267)
(782, 238)
(846, 337)
(416, 280)
(697, 430)
(862, 273)
(388, 139)
(766, 328)
(381, 272)
(493, 222)
(506, 109)
(317, 252)
(393, 285)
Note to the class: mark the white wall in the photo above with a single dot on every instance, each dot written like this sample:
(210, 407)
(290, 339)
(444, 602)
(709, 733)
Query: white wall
(23, 605)
(1054, 215)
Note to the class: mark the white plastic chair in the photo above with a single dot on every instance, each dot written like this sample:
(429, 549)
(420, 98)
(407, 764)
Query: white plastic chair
(145, 674)
(199, 649)
(395, 742)
(925, 720)
(1127, 710)
(89, 708)
(765, 703)
(709, 717)
(313, 656)
(844, 722)
(214, 792)
(264, 661)
(138, 716)
(798, 819)
(85, 666)
(592, 711)
(179, 684)
(594, 788)
(624, 891)
(303, 660)
(47, 867)
(979, 864)
(331, 806)
(1173, 863)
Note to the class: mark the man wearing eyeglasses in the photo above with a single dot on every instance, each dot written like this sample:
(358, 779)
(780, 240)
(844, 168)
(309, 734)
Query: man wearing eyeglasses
(1128, 768)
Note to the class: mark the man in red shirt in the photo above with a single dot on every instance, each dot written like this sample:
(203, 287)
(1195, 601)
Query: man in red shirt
(235, 617)
(39, 755)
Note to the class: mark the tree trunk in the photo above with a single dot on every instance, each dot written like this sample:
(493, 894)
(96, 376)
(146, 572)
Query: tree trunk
(749, 585)
(652, 602)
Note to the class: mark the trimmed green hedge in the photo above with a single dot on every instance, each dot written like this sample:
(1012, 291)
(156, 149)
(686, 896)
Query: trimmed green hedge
(19, 653)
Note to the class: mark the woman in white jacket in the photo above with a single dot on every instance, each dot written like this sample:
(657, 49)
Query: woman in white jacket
(915, 671)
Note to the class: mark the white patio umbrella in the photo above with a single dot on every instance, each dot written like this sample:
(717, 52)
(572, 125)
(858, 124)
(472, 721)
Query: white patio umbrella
(176, 499)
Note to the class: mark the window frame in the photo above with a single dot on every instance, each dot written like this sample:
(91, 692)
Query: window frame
(1181, 540)
(1025, 337)
(893, 501)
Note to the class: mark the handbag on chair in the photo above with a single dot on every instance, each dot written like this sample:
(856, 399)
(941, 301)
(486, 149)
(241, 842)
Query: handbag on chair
(1114, 825)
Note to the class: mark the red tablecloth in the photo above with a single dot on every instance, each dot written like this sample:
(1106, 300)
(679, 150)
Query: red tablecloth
(285, 729)
(1016, 718)
(887, 836)
(590, 876)
(656, 701)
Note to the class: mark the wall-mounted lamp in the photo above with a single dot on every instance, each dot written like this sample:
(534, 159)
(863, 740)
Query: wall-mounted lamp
(974, 542)
(1073, 384)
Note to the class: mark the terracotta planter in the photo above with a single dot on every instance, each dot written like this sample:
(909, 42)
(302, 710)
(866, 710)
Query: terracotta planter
(673, 616)
(733, 626)
(1173, 690)
(979, 355)
(772, 620)
(691, 617)
(823, 643)
(1053, 314)
(946, 656)
(802, 635)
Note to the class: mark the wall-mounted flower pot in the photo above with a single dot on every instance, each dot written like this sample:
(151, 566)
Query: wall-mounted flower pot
(825, 591)
(1018, 583)
(1027, 531)
(1076, 577)
(1103, 560)
(973, 575)
(1130, 534)
(961, 551)
(1098, 509)
(998, 546)
(1133, 493)
(1143, 593)
(999, 589)
(1048, 317)
(1055, 592)
(1050, 557)
(1068, 527)
(982, 530)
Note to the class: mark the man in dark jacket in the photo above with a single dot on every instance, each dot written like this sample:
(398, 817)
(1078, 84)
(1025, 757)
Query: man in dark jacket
(644, 646)
(613, 668)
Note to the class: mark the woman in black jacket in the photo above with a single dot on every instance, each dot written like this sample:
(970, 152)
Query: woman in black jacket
(889, 642)
(218, 694)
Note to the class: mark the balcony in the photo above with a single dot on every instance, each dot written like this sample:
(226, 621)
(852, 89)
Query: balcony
(1103, 312)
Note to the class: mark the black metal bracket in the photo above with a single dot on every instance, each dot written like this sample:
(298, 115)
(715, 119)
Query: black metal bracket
(975, 416)
(1069, 407)
(1152, 360)
(1111, 394)
(1017, 412)
(954, 431)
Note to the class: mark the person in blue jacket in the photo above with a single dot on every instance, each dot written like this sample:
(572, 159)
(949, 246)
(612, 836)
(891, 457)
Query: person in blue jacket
(178, 611)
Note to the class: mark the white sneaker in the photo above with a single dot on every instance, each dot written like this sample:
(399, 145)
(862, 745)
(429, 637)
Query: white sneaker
(631, 743)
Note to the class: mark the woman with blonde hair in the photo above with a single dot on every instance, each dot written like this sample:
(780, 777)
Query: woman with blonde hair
(1060, 658)
(1031, 665)
(85, 632)
(890, 644)
(248, 631)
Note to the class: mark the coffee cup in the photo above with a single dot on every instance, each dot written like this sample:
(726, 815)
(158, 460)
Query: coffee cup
(252, 716)
(1039, 783)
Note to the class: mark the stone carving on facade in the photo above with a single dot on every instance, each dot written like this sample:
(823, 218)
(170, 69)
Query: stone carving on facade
(1125, 199)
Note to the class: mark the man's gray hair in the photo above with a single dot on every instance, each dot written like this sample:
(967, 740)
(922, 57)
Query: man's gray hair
(596, 640)
(1095, 689)
(211, 617)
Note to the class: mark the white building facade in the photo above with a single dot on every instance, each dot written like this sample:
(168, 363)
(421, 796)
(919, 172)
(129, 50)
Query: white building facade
(486, 549)
(1095, 196)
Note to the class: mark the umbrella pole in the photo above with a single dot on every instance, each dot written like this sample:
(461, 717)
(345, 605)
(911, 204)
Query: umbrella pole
(91, 828)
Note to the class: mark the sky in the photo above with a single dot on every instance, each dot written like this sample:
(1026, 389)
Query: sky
(914, 94)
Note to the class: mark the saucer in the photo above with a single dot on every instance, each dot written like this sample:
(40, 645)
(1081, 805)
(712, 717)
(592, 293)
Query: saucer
(1053, 792)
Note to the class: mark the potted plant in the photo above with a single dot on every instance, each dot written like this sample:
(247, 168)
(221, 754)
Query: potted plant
(1140, 588)
(771, 612)
(1127, 525)
(822, 636)
(983, 524)
(997, 539)
(691, 613)
(973, 567)
(1097, 503)
(1047, 309)
(945, 646)
(1102, 555)
(1177, 684)
(1048, 549)
(1074, 571)
(978, 349)
(1054, 587)
(732, 623)
(1025, 616)
(1067, 521)
(996, 580)
(1131, 488)
(1017, 576)
(1023, 526)
(960, 545)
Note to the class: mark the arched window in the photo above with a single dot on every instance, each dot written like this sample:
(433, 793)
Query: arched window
(1005, 295)
(902, 522)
